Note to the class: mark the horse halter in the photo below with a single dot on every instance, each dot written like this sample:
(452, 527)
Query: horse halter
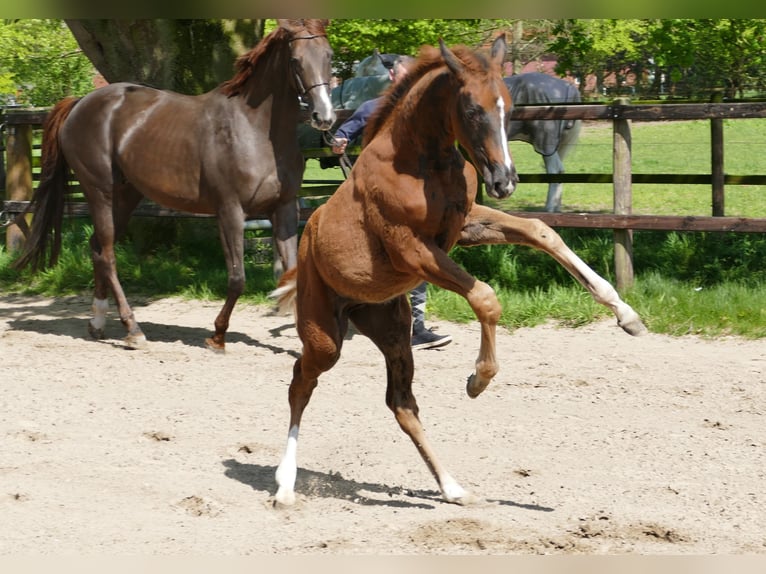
(302, 90)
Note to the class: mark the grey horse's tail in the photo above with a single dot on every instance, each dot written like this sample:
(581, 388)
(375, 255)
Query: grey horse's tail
(569, 138)
(572, 130)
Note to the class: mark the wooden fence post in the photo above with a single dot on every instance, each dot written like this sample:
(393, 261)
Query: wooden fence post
(623, 198)
(716, 160)
(18, 155)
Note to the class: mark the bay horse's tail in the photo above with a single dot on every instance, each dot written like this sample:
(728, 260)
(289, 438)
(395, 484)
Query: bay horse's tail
(49, 198)
(286, 292)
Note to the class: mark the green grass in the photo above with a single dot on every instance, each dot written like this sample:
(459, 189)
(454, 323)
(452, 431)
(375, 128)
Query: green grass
(709, 284)
(657, 147)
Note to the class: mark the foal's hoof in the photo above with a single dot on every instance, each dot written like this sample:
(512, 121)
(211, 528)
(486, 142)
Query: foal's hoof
(470, 499)
(475, 387)
(284, 499)
(634, 326)
(215, 347)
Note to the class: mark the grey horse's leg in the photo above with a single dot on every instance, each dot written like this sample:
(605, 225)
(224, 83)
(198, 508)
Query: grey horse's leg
(554, 165)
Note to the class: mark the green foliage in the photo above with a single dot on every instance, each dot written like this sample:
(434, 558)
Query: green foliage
(699, 283)
(353, 40)
(677, 308)
(40, 63)
(182, 259)
(689, 58)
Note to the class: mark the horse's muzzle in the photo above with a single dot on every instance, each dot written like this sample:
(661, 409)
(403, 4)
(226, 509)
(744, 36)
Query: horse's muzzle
(322, 122)
(500, 182)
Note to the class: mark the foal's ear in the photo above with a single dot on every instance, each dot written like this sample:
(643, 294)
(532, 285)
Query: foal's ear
(497, 53)
(449, 58)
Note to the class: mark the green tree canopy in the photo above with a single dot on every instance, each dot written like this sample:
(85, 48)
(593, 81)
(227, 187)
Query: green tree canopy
(353, 40)
(40, 63)
(681, 57)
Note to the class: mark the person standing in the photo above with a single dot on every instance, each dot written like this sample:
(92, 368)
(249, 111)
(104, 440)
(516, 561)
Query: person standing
(351, 130)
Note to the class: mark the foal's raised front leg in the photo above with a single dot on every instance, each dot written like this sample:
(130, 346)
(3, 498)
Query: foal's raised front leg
(435, 266)
(485, 225)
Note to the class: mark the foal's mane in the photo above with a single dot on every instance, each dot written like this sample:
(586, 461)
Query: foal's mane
(429, 58)
(246, 63)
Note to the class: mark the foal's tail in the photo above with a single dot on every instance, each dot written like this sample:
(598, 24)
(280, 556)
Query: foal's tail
(49, 198)
(286, 292)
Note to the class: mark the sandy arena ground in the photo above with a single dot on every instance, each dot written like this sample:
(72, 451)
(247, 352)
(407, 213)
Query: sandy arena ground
(589, 441)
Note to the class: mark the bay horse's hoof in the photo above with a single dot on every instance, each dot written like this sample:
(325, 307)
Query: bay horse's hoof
(95, 332)
(215, 347)
(136, 341)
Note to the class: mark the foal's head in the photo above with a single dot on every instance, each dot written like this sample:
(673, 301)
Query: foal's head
(310, 60)
(482, 115)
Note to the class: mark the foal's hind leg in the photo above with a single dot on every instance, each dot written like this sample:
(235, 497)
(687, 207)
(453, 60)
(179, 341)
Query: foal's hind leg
(485, 225)
(109, 225)
(321, 329)
(388, 326)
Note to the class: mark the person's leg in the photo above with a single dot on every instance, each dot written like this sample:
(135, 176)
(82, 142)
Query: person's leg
(423, 338)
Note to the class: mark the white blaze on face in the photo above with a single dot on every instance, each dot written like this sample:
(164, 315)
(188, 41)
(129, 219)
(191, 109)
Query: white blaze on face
(322, 100)
(503, 135)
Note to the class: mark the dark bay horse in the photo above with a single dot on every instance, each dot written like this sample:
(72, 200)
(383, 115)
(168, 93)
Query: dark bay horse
(232, 152)
(390, 225)
(552, 139)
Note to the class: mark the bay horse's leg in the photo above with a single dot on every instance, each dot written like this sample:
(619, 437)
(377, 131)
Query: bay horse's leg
(321, 328)
(284, 224)
(554, 165)
(485, 225)
(388, 326)
(231, 228)
(109, 224)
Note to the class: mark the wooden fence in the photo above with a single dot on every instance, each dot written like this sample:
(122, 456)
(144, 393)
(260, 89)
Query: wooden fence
(19, 125)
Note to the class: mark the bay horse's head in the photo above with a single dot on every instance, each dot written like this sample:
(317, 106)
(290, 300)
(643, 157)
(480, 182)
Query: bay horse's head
(310, 60)
(482, 116)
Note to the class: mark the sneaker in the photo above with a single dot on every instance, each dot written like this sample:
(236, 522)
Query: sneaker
(427, 339)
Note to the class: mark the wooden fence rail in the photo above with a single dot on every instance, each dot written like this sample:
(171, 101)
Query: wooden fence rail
(18, 126)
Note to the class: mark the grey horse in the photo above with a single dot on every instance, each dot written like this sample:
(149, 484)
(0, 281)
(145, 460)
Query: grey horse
(552, 139)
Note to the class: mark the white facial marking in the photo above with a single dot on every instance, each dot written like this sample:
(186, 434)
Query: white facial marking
(324, 97)
(503, 135)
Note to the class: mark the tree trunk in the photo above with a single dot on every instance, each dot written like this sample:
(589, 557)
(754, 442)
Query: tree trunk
(186, 56)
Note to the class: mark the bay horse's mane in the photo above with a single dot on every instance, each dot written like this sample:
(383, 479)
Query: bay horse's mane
(246, 63)
(429, 58)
